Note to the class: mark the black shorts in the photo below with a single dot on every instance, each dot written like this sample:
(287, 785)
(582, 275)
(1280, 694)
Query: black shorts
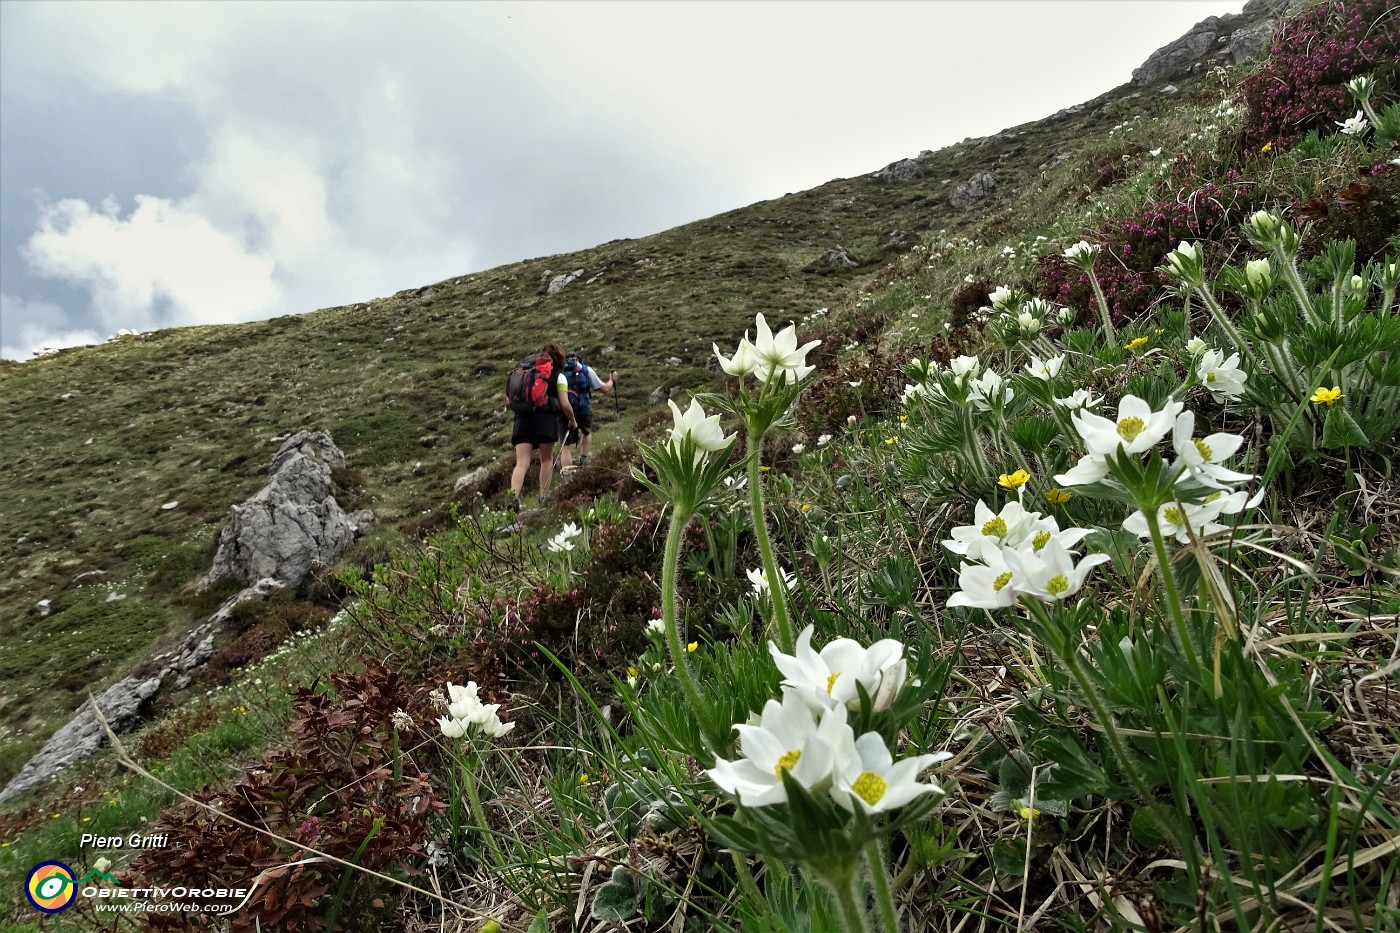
(584, 417)
(536, 428)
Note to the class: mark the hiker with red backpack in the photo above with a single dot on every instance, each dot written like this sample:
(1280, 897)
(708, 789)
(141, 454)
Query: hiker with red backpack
(537, 390)
(583, 382)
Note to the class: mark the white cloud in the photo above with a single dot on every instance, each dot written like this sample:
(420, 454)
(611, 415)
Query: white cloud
(160, 266)
(42, 325)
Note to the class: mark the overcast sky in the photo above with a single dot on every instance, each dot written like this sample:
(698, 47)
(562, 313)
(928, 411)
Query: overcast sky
(180, 163)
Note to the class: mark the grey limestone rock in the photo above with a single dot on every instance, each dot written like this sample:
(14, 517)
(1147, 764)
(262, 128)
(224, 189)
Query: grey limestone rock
(1176, 58)
(469, 479)
(292, 522)
(973, 190)
(562, 281)
(899, 172)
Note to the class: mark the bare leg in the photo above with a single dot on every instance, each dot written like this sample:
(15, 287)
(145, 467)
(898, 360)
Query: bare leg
(546, 467)
(522, 466)
(585, 444)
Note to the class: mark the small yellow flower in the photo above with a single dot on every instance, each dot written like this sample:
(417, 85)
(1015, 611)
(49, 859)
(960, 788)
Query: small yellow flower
(1013, 480)
(87, 819)
(1326, 396)
(765, 469)
(1058, 496)
(56, 816)
(1266, 147)
(1024, 812)
(692, 646)
(583, 778)
(1137, 343)
(806, 506)
(631, 672)
(892, 440)
(903, 417)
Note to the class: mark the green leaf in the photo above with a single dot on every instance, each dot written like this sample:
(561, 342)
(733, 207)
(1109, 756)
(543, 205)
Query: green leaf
(1341, 430)
(540, 924)
(1009, 855)
(1150, 825)
(619, 898)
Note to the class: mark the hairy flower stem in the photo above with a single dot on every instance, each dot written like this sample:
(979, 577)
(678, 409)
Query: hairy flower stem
(1105, 318)
(974, 443)
(748, 885)
(880, 882)
(845, 885)
(776, 588)
(1164, 564)
(669, 609)
(1218, 314)
(1289, 265)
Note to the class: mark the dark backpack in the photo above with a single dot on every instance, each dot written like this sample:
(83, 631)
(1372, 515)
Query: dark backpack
(580, 386)
(528, 387)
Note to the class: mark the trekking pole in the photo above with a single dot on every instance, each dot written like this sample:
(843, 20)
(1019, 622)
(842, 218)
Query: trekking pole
(616, 407)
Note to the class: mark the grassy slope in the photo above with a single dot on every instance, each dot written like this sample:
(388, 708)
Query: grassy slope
(189, 414)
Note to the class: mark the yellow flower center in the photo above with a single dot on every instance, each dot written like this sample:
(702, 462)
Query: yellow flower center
(1210, 376)
(1001, 580)
(1057, 585)
(787, 762)
(1040, 540)
(869, 787)
(1203, 448)
(1173, 515)
(831, 682)
(1129, 428)
(995, 528)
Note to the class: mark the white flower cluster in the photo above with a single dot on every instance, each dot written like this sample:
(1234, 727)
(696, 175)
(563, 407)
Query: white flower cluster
(807, 737)
(1016, 552)
(1200, 460)
(769, 356)
(465, 711)
(564, 540)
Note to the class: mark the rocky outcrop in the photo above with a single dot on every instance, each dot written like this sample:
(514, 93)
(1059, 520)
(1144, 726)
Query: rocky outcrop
(899, 172)
(837, 259)
(1238, 37)
(973, 190)
(562, 281)
(291, 523)
(270, 543)
(126, 702)
(1176, 58)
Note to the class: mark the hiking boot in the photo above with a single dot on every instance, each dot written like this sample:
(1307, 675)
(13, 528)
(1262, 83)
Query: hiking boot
(583, 460)
(514, 504)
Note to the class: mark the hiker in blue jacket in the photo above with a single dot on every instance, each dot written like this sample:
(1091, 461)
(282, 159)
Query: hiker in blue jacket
(583, 382)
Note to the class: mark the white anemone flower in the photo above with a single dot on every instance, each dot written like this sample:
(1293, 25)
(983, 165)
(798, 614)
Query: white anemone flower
(989, 391)
(759, 578)
(964, 366)
(830, 677)
(462, 702)
(1222, 377)
(780, 354)
(1259, 273)
(1045, 369)
(1203, 456)
(1051, 573)
(465, 711)
(559, 545)
(999, 297)
(1179, 521)
(703, 429)
(743, 361)
(990, 531)
(1079, 398)
(874, 781)
(990, 585)
(1354, 126)
(1090, 469)
(787, 739)
(1081, 253)
(1137, 429)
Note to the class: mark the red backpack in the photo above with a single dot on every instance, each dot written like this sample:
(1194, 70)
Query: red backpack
(528, 385)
